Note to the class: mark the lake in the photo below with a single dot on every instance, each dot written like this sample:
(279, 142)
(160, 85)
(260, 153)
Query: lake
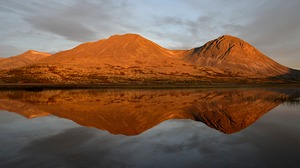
(245, 127)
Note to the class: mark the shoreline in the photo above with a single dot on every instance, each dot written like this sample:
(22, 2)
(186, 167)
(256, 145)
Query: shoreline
(48, 86)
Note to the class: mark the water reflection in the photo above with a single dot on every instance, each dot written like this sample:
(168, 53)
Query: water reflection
(131, 112)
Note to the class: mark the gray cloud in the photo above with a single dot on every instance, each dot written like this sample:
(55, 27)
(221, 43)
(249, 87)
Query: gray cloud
(275, 30)
(67, 28)
(9, 50)
(275, 23)
(197, 32)
(75, 21)
(4, 9)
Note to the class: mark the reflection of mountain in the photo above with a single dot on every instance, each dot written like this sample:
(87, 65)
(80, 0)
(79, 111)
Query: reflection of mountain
(131, 112)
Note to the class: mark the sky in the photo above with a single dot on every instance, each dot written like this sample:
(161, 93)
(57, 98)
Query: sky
(272, 26)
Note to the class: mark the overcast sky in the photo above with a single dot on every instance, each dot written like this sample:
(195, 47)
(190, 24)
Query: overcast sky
(272, 26)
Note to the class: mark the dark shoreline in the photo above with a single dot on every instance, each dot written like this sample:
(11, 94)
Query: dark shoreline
(40, 87)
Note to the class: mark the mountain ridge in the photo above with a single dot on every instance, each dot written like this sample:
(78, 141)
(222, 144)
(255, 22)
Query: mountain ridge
(131, 58)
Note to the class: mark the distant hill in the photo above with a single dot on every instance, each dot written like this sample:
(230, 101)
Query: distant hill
(24, 59)
(131, 58)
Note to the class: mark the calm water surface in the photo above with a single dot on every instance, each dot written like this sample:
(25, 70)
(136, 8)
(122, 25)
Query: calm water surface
(150, 128)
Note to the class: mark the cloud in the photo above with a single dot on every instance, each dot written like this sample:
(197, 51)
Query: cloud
(80, 21)
(74, 20)
(67, 28)
(186, 33)
(270, 25)
(9, 50)
(274, 23)
(274, 30)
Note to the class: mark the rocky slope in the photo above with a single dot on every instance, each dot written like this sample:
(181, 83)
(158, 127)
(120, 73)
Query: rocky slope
(235, 55)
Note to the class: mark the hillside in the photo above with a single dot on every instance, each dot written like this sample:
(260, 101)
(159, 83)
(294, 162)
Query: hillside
(27, 58)
(235, 55)
(123, 50)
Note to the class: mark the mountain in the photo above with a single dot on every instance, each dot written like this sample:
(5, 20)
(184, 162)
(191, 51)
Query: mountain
(128, 58)
(123, 50)
(24, 59)
(132, 59)
(131, 112)
(235, 55)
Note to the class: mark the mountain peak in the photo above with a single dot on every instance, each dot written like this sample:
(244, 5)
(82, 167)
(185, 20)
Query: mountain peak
(228, 41)
(126, 49)
(34, 52)
(225, 47)
(228, 37)
(131, 38)
(127, 35)
(229, 52)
